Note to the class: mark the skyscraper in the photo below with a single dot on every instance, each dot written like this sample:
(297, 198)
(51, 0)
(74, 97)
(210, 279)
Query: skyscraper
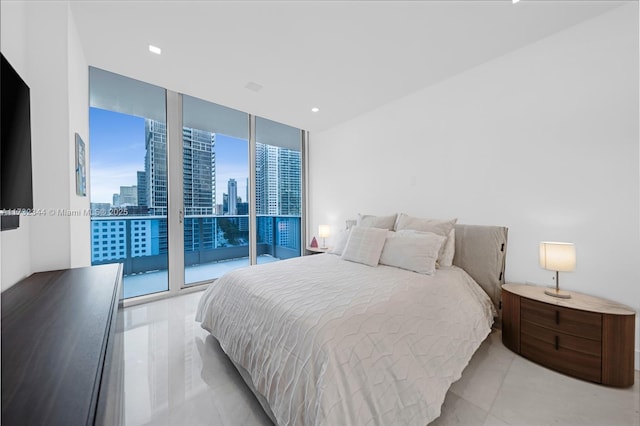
(142, 188)
(199, 172)
(199, 181)
(198, 169)
(232, 191)
(155, 166)
(278, 180)
(128, 196)
(278, 185)
(289, 182)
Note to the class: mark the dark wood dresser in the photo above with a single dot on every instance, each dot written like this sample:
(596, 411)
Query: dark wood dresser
(60, 349)
(585, 336)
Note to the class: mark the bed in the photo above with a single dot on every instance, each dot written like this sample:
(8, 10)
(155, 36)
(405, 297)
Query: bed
(321, 340)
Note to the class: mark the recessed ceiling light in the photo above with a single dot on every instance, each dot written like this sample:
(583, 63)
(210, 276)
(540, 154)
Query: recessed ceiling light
(155, 49)
(515, 1)
(315, 109)
(253, 86)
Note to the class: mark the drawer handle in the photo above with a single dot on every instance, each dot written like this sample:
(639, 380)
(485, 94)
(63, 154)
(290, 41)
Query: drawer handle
(557, 317)
(557, 343)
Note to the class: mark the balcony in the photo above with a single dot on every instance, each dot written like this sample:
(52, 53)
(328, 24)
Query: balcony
(213, 245)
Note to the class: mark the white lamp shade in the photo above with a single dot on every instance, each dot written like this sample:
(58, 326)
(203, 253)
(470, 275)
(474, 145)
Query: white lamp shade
(558, 256)
(323, 231)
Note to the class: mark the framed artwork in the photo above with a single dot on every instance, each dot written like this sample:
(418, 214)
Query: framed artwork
(81, 168)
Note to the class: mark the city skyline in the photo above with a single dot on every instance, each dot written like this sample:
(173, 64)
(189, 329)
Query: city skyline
(129, 178)
(118, 152)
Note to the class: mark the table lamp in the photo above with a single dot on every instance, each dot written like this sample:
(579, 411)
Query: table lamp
(558, 257)
(323, 232)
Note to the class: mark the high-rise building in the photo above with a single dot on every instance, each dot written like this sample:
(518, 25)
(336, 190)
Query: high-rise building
(116, 200)
(278, 180)
(199, 172)
(199, 187)
(278, 186)
(110, 239)
(198, 168)
(100, 209)
(232, 193)
(142, 189)
(289, 182)
(128, 196)
(155, 166)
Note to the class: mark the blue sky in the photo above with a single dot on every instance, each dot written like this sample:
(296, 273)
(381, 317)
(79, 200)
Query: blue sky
(117, 150)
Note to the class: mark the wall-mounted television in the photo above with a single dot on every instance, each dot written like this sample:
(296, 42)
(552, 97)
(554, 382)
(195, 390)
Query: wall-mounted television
(16, 187)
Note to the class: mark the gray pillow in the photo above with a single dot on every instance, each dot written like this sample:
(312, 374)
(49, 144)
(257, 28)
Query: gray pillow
(371, 221)
(437, 226)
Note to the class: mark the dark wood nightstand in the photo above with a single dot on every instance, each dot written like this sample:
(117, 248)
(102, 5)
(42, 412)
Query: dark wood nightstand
(585, 337)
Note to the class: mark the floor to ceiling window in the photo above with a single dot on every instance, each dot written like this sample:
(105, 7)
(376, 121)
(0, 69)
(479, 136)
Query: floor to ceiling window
(128, 176)
(215, 178)
(133, 189)
(278, 168)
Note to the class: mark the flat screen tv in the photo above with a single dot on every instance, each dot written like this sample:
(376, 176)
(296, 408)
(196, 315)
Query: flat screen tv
(16, 188)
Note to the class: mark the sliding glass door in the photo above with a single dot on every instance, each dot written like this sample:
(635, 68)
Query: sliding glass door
(215, 177)
(184, 190)
(278, 183)
(128, 177)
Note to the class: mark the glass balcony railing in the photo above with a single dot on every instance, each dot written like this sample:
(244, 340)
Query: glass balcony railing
(213, 245)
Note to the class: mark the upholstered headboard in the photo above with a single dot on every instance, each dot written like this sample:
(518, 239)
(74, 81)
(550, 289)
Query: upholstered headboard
(481, 251)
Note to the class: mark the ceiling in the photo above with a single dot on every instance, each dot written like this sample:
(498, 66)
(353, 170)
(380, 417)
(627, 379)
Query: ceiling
(346, 58)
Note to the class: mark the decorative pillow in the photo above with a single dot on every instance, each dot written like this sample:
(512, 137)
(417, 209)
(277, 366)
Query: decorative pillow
(340, 242)
(350, 223)
(414, 251)
(383, 222)
(448, 250)
(364, 245)
(437, 226)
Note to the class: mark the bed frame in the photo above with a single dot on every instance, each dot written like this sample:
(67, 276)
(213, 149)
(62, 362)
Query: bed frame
(480, 250)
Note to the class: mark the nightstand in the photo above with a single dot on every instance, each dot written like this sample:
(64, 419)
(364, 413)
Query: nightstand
(585, 336)
(316, 250)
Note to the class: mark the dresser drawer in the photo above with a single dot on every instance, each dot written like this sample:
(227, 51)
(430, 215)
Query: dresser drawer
(576, 364)
(530, 331)
(565, 320)
(576, 356)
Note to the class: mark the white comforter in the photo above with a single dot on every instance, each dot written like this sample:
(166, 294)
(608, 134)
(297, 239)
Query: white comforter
(332, 342)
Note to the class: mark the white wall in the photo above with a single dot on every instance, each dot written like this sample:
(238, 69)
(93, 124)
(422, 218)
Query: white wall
(78, 85)
(15, 245)
(41, 37)
(543, 140)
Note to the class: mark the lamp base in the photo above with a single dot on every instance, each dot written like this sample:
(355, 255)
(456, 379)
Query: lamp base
(557, 293)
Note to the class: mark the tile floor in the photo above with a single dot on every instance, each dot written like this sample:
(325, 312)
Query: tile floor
(176, 374)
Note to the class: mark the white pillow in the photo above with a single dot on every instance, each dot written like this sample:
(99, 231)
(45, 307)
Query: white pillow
(383, 222)
(437, 226)
(364, 245)
(448, 250)
(340, 242)
(414, 251)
